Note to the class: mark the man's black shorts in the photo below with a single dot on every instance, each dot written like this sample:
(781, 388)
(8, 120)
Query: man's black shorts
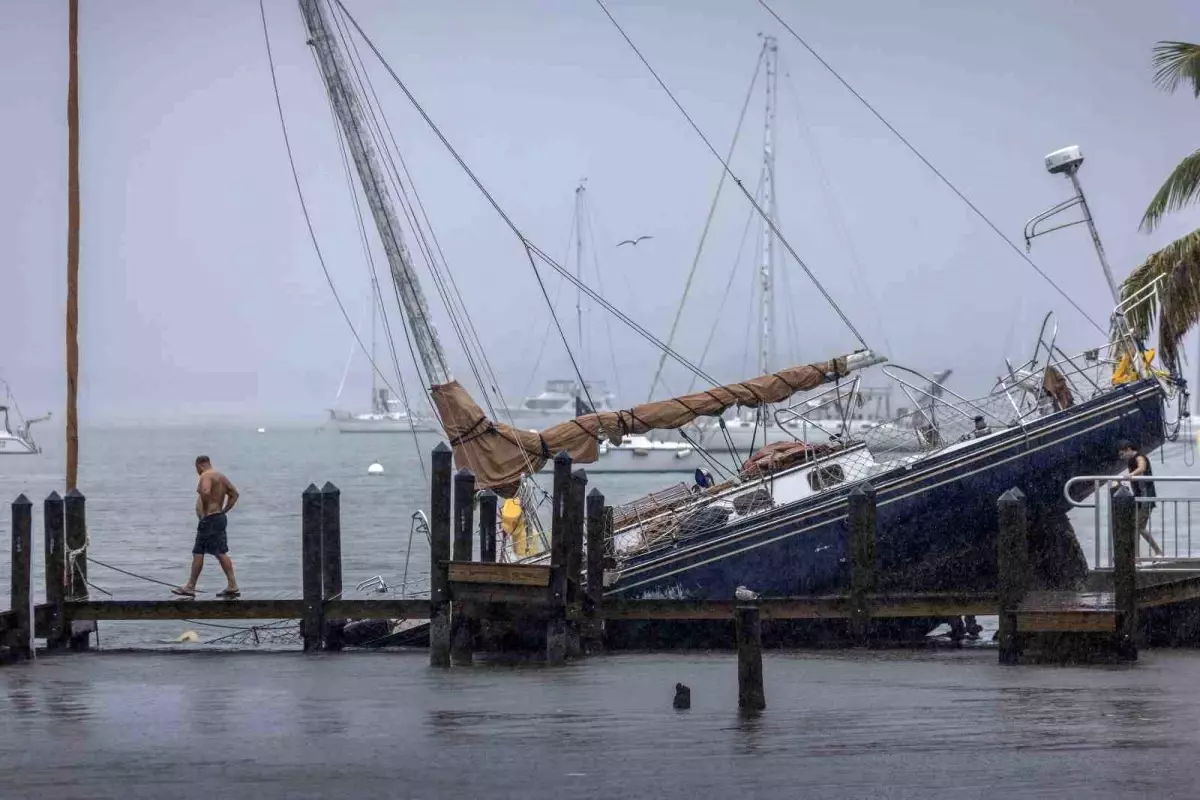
(210, 536)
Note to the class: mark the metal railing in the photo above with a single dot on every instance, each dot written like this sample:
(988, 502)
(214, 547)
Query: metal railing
(1167, 518)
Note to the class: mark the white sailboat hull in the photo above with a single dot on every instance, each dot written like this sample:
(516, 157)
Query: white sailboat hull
(11, 445)
(384, 426)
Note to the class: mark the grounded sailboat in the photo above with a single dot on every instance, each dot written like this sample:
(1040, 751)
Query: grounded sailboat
(778, 522)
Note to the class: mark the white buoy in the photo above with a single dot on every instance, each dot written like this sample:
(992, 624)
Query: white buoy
(187, 637)
(375, 469)
(262, 430)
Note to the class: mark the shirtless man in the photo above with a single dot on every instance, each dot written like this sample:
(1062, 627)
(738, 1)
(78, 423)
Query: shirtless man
(215, 497)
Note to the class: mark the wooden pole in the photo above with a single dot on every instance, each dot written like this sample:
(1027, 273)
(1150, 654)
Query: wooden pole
(21, 636)
(75, 523)
(56, 570)
(461, 632)
(487, 526)
(748, 632)
(72, 243)
(575, 521)
(310, 568)
(556, 627)
(331, 559)
(1125, 535)
(1012, 566)
(593, 601)
(862, 520)
(439, 556)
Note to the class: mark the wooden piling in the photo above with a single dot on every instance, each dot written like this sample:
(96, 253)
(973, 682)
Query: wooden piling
(441, 479)
(748, 632)
(1012, 566)
(461, 632)
(56, 571)
(20, 639)
(75, 525)
(575, 525)
(556, 627)
(593, 600)
(311, 624)
(487, 526)
(862, 523)
(331, 559)
(1125, 536)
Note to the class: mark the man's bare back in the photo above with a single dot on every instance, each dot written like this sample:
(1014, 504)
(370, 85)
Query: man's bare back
(215, 494)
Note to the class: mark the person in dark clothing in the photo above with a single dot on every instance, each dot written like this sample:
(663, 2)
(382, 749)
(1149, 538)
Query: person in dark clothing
(1136, 464)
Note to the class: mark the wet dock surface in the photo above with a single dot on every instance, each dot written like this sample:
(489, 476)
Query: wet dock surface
(896, 724)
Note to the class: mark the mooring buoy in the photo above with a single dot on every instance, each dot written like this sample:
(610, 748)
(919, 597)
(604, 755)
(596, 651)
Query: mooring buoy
(375, 469)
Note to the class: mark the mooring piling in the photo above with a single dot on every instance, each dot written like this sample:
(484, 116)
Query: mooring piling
(1012, 567)
(575, 534)
(487, 526)
(311, 623)
(20, 639)
(556, 626)
(1125, 536)
(75, 524)
(862, 523)
(593, 600)
(440, 488)
(56, 571)
(461, 631)
(331, 559)
(748, 634)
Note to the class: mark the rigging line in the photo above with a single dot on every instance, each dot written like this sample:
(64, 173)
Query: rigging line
(132, 574)
(612, 350)
(546, 333)
(766, 217)
(312, 234)
(530, 248)
(353, 347)
(712, 210)
(987, 221)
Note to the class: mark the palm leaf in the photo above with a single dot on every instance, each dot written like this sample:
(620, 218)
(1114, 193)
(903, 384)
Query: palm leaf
(1180, 188)
(1175, 63)
(1177, 307)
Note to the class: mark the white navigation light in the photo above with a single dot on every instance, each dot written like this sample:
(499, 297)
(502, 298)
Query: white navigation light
(1066, 160)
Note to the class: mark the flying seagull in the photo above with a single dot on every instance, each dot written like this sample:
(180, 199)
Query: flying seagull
(634, 242)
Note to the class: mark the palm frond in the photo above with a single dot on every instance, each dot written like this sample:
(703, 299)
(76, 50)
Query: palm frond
(1181, 187)
(1175, 63)
(1177, 308)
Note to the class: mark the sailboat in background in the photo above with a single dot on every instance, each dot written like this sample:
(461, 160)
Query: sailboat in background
(18, 440)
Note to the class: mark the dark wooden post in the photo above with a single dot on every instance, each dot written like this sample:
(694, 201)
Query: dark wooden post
(440, 489)
(20, 639)
(556, 628)
(56, 571)
(575, 523)
(748, 632)
(862, 559)
(1124, 521)
(593, 601)
(75, 524)
(331, 559)
(461, 630)
(1012, 566)
(487, 526)
(310, 568)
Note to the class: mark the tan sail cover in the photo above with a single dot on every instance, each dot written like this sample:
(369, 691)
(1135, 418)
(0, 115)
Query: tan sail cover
(498, 454)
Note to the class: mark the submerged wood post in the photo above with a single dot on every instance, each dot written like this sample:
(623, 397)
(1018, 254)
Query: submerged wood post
(56, 570)
(593, 600)
(331, 559)
(862, 522)
(312, 622)
(461, 631)
(441, 478)
(556, 627)
(1012, 566)
(487, 526)
(75, 524)
(1125, 535)
(748, 632)
(20, 639)
(575, 524)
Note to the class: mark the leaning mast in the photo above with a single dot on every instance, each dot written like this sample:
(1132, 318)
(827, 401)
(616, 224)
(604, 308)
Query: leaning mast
(349, 110)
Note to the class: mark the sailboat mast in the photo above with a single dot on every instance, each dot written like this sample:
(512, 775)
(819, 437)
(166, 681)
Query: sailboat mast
(579, 190)
(375, 300)
(349, 109)
(73, 245)
(766, 344)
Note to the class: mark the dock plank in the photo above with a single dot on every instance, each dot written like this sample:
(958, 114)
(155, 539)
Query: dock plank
(507, 574)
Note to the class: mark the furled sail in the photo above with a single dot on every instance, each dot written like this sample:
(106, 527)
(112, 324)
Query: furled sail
(499, 454)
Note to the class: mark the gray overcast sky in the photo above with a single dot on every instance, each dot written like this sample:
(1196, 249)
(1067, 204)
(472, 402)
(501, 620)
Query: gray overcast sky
(201, 294)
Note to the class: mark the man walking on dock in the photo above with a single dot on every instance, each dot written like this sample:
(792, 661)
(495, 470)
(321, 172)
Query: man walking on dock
(1143, 491)
(216, 497)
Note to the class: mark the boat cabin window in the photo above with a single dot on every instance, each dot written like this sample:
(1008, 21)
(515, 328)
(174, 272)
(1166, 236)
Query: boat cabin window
(825, 476)
(561, 386)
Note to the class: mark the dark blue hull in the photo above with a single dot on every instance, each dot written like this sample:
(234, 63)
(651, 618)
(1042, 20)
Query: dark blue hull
(937, 519)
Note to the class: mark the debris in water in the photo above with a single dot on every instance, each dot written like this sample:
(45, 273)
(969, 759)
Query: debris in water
(683, 696)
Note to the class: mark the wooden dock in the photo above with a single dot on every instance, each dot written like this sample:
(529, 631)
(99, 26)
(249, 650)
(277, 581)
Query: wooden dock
(475, 603)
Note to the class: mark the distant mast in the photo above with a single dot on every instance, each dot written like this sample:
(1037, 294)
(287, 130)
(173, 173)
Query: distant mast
(72, 244)
(579, 193)
(373, 179)
(766, 272)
